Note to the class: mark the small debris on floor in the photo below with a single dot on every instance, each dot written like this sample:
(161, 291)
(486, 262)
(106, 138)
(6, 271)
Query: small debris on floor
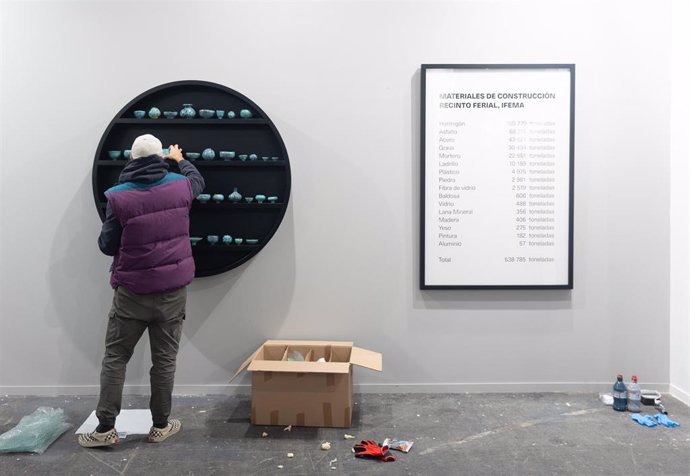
(332, 462)
(202, 411)
(264, 434)
(291, 455)
(348, 437)
(567, 404)
(280, 466)
(288, 428)
(326, 446)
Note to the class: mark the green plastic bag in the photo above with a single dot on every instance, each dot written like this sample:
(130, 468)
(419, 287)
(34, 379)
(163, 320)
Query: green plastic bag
(36, 432)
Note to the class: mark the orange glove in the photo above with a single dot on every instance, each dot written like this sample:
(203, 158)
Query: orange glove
(371, 449)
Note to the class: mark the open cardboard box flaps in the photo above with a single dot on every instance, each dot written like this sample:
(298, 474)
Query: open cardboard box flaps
(314, 390)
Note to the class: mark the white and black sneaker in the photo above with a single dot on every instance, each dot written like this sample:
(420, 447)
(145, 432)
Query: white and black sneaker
(156, 435)
(95, 439)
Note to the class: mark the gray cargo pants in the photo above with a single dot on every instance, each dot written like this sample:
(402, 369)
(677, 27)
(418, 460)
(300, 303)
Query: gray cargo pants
(131, 314)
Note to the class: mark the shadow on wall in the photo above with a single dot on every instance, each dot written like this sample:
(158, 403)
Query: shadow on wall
(78, 279)
(470, 300)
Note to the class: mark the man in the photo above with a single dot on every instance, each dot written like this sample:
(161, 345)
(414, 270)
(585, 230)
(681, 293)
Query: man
(146, 230)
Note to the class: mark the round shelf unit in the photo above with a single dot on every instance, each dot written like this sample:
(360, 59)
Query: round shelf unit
(268, 175)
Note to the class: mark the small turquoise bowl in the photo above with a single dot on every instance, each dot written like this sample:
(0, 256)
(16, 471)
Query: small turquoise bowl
(253, 156)
(139, 114)
(218, 197)
(249, 199)
(260, 198)
(245, 113)
(252, 241)
(195, 240)
(272, 199)
(170, 114)
(227, 239)
(227, 154)
(231, 114)
(204, 197)
(192, 155)
(212, 239)
(127, 153)
(238, 241)
(207, 113)
(114, 154)
(243, 157)
(264, 158)
(220, 113)
(274, 158)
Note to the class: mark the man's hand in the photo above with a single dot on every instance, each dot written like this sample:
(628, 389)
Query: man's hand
(174, 153)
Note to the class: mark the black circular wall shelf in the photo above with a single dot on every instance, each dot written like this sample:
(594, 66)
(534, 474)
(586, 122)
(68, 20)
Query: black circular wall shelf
(268, 174)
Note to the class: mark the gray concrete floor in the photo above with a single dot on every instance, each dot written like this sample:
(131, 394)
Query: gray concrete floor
(474, 434)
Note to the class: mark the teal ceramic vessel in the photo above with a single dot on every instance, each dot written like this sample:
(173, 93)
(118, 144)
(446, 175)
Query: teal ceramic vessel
(227, 154)
(154, 113)
(243, 157)
(252, 241)
(207, 113)
(231, 114)
(245, 113)
(218, 197)
(195, 240)
(235, 196)
(227, 239)
(253, 156)
(208, 154)
(170, 114)
(220, 113)
(274, 158)
(212, 239)
(114, 154)
(238, 241)
(187, 111)
(192, 155)
(127, 153)
(272, 199)
(204, 197)
(260, 198)
(249, 199)
(139, 114)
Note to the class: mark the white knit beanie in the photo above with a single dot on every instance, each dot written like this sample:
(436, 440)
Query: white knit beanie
(146, 145)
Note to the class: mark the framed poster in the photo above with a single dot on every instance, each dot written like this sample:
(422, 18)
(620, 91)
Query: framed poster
(497, 176)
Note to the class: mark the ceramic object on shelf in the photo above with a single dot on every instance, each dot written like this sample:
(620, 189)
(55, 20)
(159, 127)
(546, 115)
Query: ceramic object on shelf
(260, 198)
(192, 155)
(114, 154)
(227, 239)
(249, 199)
(207, 113)
(127, 153)
(252, 241)
(253, 156)
(170, 114)
(212, 239)
(274, 158)
(235, 196)
(195, 239)
(238, 241)
(139, 114)
(208, 154)
(272, 199)
(154, 113)
(204, 197)
(187, 111)
(220, 113)
(218, 197)
(242, 157)
(245, 113)
(264, 158)
(227, 154)
(231, 114)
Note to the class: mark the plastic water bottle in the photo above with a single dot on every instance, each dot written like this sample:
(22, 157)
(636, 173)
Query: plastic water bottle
(634, 395)
(620, 395)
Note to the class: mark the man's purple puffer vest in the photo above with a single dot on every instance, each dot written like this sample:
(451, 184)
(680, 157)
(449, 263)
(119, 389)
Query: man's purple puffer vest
(155, 254)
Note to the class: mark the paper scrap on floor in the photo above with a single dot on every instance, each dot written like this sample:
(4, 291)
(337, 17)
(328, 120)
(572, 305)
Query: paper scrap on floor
(129, 422)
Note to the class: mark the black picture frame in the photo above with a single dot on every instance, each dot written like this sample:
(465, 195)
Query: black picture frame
(567, 282)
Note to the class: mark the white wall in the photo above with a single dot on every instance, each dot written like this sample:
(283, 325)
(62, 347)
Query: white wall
(341, 82)
(680, 202)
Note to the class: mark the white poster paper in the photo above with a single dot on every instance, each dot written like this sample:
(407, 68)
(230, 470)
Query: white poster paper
(497, 164)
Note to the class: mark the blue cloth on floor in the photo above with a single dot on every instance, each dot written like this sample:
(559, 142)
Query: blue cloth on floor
(645, 420)
(665, 420)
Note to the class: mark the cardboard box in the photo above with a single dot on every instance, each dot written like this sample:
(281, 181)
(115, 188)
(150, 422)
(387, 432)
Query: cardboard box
(305, 393)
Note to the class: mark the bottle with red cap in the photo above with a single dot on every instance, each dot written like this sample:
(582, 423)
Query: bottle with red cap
(634, 395)
(620, 395)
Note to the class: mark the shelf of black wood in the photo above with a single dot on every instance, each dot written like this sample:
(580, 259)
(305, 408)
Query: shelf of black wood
(194, 122)
(256, 135)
